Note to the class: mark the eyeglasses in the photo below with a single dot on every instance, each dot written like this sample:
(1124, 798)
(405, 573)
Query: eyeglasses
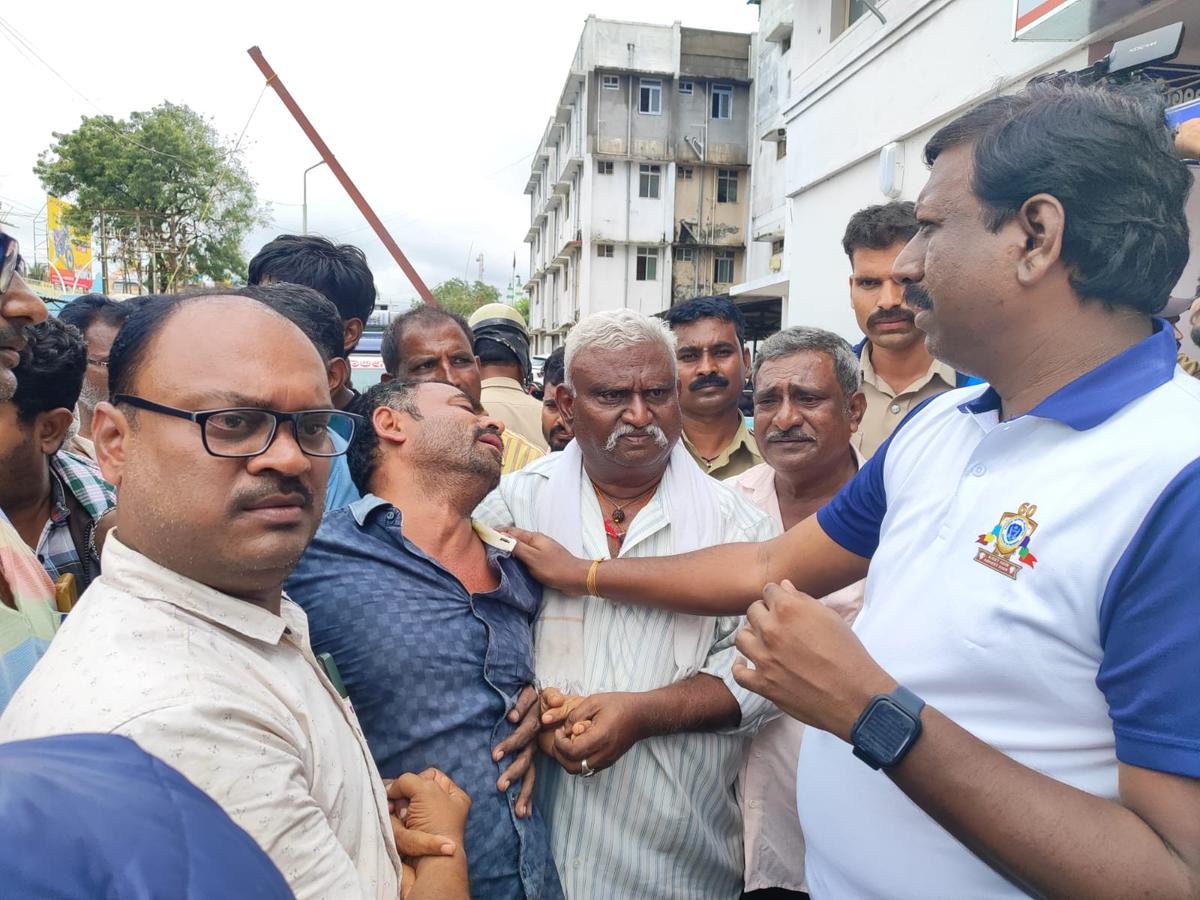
(10, 260)
(248, 431)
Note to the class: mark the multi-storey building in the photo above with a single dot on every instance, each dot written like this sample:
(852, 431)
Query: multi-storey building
(639, 186)
(857, 98)
(763, 291)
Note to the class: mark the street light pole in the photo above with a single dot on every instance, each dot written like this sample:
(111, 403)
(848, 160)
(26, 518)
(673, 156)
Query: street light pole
(304, 214)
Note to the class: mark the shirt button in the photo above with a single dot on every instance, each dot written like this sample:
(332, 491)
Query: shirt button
(577, 863)
(894, 408)
(756, 804)
(978, 470)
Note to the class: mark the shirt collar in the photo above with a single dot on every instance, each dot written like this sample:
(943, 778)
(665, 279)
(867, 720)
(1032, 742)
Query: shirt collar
(743, 437)
(937, 369)
(1096, 396)
(502, 382)
(126, 570)
(361, 511)
(59, 511)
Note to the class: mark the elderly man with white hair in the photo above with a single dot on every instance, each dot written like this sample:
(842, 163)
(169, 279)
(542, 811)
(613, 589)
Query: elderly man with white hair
(651, 742)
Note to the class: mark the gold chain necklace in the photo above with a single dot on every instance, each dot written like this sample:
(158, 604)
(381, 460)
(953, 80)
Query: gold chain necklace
(618, 513)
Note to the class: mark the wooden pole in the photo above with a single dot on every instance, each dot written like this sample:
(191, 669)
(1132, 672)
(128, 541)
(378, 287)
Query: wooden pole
(340, 173)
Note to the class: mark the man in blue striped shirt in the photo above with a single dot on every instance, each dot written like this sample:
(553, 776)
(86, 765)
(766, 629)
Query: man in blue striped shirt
(644, 804)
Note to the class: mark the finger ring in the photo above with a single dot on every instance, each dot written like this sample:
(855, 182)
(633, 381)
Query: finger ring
(585, 770)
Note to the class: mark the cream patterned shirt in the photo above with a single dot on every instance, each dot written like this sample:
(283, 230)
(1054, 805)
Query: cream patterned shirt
(231, 696)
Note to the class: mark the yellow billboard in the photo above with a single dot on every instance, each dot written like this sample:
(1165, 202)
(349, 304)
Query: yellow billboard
(69, 251)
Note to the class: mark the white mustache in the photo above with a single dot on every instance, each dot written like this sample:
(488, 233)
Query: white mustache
(624, 428)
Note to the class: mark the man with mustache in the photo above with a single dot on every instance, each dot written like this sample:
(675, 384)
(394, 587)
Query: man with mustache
(713, 361)
(807, 407)
(27, 617)
(216, 437)
(430, 621)
(554, 429)
(899, 374)
(659, 737)
(1023, 670)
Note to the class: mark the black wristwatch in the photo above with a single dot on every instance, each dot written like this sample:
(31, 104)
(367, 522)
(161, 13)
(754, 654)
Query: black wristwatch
(887, 728)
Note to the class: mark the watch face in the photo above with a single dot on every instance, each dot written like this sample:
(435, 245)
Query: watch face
(885, 733)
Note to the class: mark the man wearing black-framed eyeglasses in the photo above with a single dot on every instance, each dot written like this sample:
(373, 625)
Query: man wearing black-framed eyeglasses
(186, 643)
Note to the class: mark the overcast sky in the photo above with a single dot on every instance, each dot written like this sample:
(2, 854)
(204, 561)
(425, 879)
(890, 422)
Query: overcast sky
(434, 109)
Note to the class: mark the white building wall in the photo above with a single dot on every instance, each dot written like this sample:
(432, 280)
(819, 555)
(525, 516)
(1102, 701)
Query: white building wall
(875, 84)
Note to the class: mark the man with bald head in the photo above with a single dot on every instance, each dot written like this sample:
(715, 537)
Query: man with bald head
(217, 437)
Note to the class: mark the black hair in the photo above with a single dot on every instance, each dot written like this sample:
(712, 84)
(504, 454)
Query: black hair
(555, 367)
(362, 457)
(393, 335)
(50, 375)
(146, 319)
(708, 308)
(490, 351)
(309, 311)
(339, 271)
(879, 227)
(84, 312)
(1106, 154)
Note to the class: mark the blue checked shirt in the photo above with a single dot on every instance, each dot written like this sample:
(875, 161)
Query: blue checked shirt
(56, 549)
(432, 672)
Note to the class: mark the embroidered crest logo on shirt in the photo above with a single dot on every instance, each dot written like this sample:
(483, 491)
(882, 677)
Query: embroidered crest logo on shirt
(1009, 540)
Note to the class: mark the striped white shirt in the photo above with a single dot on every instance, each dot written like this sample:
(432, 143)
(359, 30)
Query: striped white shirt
(664, 820)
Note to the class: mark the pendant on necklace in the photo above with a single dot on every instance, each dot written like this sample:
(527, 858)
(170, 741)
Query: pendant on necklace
(618, 515)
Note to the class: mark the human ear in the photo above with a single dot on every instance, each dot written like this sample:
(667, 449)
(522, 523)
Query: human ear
(352, 330)
(338, 373)
(565, 401)
(1042, 221)
(389, 426)
(50, 429)
(858, 406)
(110, 432)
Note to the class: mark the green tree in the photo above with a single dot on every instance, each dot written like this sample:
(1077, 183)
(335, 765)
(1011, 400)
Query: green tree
(460, 296)
(522, 306)
(165, 191)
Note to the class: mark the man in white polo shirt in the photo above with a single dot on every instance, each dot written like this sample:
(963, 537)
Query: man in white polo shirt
(1024, 668)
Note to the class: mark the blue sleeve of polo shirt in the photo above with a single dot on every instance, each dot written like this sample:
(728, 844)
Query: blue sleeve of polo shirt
(1150, 635)
(854, 516)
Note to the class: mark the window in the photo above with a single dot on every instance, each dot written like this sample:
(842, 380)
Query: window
(785, 45)
(684, 172)
(855, 10)
(567, 208)
(604, 251)
(686, 87)
(685, 254)
(781, 148)
(727, 180)
(604, 167)
(648, 177)
(776, 246)
(650, 96)
(722, 101)
(611, 82)
(723, 267)
(647, 264)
